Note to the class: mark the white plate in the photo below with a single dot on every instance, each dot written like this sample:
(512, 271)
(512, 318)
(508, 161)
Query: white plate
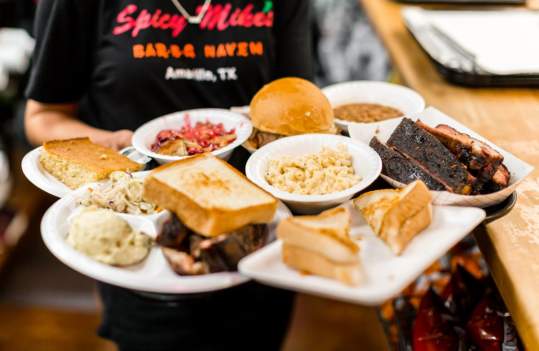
(431, 116)
(37, 175)
(397, 96)
(145, 135)
(385, 274)
(366, 163)
(152, 275)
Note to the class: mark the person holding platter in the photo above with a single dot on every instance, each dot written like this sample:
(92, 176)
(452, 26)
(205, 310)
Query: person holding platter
(101, 68)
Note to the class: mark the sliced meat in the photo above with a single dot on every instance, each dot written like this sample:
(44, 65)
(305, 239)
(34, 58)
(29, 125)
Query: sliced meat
(190, 253)
(174, 147)
(481, 159)
(499, 181)
(416, 143)
(397, 166)
(502, 176)
(183, 263)
(174, 234)
(259, 138)
(225, 251)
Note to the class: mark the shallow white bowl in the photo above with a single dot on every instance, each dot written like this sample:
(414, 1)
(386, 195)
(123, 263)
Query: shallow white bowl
(145, 135)
(366, 162)
(403, 99)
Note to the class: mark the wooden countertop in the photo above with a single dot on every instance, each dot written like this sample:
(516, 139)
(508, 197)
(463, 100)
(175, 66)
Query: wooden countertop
(509, 118)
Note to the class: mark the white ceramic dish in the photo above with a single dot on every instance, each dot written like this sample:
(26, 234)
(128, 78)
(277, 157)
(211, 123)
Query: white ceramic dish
(366, 163)
(151, 275)
(397, 96)
(37, 175)
(431, 116)
(385, 274)
(145, 135)
(40, 177)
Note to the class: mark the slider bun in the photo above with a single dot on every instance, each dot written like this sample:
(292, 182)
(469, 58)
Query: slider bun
(291, 106)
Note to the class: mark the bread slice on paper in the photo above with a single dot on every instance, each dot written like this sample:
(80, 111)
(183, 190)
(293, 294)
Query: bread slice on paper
(397, 215)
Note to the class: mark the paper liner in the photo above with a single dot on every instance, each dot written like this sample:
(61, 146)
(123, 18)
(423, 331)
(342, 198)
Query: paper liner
(432, 117)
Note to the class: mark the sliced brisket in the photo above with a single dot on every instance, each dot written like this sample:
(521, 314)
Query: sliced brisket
(397, 166)
(499, 180)
(189, 253)
(416, 143)
(225, 251)
(480, 159)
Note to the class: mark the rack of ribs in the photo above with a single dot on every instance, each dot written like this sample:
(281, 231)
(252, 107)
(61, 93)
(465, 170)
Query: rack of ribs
(485, 163)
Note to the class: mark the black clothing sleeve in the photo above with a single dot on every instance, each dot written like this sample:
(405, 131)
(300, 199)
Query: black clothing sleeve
(293, 40)
(62, 61)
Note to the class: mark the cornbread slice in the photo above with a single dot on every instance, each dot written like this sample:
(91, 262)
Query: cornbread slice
(321, 245)
(76, 162)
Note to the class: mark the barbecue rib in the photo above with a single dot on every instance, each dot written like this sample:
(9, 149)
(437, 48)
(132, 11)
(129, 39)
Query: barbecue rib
(499, 180)
(480, 159)
(418, 144)
(397, 166)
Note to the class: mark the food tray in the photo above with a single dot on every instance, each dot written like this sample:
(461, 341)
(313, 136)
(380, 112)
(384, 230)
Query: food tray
(431, 116)
(385, 273)
(460, 69)
(152, 275)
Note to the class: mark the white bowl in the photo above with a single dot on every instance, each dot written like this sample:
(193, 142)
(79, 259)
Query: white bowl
(403, 99)
(145, 135)
(366, 163)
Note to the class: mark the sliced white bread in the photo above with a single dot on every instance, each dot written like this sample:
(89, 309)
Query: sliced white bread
(397, 215)
(311, 262)
(208, 195)
(321, 245)
(325, 234)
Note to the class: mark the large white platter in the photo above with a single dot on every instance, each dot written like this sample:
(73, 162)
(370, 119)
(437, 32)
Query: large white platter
(432, 117)
(386, 274)
(152, 275)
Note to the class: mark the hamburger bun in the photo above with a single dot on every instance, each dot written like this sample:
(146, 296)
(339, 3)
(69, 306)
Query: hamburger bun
(291, 106)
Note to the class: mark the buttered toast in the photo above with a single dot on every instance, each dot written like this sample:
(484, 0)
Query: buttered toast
(208, 195)
(76, 162)
(321, 245)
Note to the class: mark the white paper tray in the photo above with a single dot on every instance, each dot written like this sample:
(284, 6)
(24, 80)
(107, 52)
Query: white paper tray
(386, 274)
(431, 116)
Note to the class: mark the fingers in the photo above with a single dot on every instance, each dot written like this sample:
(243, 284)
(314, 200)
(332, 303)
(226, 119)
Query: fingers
(121, 139)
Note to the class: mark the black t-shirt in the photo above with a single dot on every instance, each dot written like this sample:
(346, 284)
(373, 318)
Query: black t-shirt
(129, 61)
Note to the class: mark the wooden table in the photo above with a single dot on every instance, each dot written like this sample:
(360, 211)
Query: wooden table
(508, 117)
